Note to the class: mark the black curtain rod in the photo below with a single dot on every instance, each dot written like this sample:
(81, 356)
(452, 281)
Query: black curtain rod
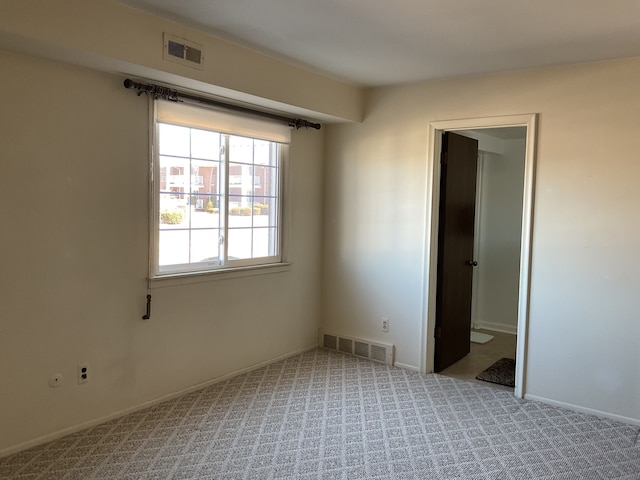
(165, 93)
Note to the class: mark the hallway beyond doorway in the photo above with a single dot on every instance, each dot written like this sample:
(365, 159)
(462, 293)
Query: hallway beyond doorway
(503, 345)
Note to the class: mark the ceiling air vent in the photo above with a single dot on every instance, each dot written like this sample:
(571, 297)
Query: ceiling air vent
(181, 51)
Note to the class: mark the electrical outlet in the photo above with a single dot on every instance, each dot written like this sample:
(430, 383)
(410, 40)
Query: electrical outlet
(385, 325)
(83, 373)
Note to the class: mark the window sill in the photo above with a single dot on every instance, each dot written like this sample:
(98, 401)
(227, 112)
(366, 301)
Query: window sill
(174, 279)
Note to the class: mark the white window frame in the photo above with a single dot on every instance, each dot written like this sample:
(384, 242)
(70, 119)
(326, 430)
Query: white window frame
(226, 125)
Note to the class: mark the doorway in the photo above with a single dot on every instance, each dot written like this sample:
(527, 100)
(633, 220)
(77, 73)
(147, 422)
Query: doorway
(482, 127)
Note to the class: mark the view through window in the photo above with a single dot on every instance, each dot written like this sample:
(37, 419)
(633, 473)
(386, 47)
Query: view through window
(217, 200)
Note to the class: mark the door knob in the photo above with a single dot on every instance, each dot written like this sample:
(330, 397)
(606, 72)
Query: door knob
(472, 263)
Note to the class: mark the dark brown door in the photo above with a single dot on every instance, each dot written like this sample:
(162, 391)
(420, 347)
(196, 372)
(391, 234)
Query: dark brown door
(455, 248)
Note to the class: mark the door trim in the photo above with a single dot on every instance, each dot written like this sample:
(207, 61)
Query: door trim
(476, 236)
(431, 235)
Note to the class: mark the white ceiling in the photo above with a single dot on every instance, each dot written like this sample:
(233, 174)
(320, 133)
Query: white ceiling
(381, 42)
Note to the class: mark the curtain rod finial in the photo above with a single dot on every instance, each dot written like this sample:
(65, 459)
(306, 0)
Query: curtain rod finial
(299, 123)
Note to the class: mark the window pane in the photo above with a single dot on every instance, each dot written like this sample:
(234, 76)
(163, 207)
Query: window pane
(205, 177)
(264, 153)
(239, 243)
(264, 242)
(173, 247)
(260, 212)
(204, 245)
(265, 181)
(173, 140)
(205, 212)
(192, 196)
(240, 179)
(240, 149)
(174, 174)
(240, 212)
(174, 212)
(268, 214)
(205, 144)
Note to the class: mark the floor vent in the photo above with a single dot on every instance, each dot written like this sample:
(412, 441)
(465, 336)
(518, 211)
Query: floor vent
(330, 341)
(378, 352)
(345, 345)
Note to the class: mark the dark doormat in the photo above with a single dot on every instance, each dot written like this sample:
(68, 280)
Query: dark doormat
(503, 372)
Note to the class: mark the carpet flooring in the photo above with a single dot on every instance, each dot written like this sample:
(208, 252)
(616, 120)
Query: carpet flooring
(324, 415)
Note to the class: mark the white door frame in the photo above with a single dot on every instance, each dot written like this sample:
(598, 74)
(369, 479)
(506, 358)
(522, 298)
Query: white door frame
(431, 235)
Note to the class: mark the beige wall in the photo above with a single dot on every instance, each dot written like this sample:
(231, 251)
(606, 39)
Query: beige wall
(498, 237)
(110, 36)
(584, 333)
(73, 191)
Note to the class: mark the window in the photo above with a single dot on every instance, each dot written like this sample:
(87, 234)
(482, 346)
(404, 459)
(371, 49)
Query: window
(217, 190)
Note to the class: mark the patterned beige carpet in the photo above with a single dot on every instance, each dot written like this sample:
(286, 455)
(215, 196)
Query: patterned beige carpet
(324, 415)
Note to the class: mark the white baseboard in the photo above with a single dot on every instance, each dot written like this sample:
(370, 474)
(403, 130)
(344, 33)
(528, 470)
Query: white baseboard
(406, 366)
(150, 403)
(590, 411)
(496, 327)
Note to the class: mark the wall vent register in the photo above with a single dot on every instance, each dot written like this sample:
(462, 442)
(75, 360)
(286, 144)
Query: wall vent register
(378, 352)
(182, 51)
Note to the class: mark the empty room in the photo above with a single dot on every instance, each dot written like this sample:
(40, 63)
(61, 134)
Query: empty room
(320, 240)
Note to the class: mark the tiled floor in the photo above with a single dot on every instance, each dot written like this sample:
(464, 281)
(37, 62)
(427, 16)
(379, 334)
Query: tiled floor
(503, 345)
